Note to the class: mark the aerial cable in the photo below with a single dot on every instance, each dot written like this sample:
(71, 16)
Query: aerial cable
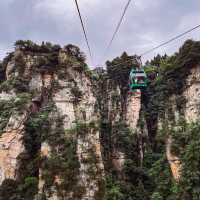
(117, 28)
(171, 40)
(162, 44)
(83, 28)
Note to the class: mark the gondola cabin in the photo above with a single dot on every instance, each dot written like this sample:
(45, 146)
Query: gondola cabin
(137, 79)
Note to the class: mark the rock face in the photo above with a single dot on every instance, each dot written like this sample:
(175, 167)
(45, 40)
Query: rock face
(72, 134)
(190, 113)
(133, 109)
(173, 160)
(70, 93)
(11, 148)
(192, 95)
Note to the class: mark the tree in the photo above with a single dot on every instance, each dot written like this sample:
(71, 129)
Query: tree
(120, 67)
(157, 60)
(75, 52)
(2, 72)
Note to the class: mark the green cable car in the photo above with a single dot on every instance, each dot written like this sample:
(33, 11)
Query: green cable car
(137, 79)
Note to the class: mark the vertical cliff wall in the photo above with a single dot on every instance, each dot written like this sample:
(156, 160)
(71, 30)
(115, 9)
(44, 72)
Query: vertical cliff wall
(171, 104)
(184, 106)
(71, 133)
(55, 128)
(53, 133)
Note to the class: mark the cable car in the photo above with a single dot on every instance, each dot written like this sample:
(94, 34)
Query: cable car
(137, 79)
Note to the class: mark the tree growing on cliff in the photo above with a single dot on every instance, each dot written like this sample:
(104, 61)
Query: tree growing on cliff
(2, 72)
(157, 60)
(119, 68)
(75, 52)
(45, 47)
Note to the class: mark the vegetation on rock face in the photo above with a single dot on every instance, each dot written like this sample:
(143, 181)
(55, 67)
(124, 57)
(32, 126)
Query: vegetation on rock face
(12, 106)
(156, 61)
(49, 55)
(75, 53)
(63, 161)
(17, 84)
(14, 190)
(77, 93)
(171, 80)
(60, 168)
(167, 77)
(28, 45)
(186, 144)
(119, 69)
(2, 73)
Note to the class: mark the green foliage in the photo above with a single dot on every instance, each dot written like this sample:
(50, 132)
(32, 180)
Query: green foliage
(62, 161)
(8, 107)
(125, 139)
(113, 190)
(9, 190)
(74, 52)
(39, 197)
(157, 60)
(48, 62)
(162, 179)
(36, 129)
(6, 111)
(82, 128)
(36, 126)
(123, 190)
(153, 180)
(48, 59)
(151, 72)
(18, 84)
(7, 59)
(29, 188)
(115, 97)
(77, 93)
(175, 69)
(136, 183)
(28, 45)
(21, 100)
(119, 69)
(186, 144)
(19, 63)
(171, 79)
(2, 73)
(172, 75)
(173, 72)
(13, 190)
(156, 196)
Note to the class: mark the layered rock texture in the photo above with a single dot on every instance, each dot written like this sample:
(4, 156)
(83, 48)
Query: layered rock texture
(57, 127)
(71, 133)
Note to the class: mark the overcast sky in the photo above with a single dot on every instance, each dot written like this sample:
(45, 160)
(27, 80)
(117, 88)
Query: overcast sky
(147, 23)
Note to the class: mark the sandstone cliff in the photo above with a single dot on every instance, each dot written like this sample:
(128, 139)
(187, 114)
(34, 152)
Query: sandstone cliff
(71, 133)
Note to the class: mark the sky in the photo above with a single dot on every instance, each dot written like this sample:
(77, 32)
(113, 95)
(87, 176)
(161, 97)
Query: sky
(147, 24)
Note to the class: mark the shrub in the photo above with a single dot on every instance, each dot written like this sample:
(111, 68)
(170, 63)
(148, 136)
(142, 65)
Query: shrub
(9, 190)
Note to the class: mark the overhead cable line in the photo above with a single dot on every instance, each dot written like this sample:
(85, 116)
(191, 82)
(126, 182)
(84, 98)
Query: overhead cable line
(162, 44)
(83, 28)
(171, 40)
(117, 28)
